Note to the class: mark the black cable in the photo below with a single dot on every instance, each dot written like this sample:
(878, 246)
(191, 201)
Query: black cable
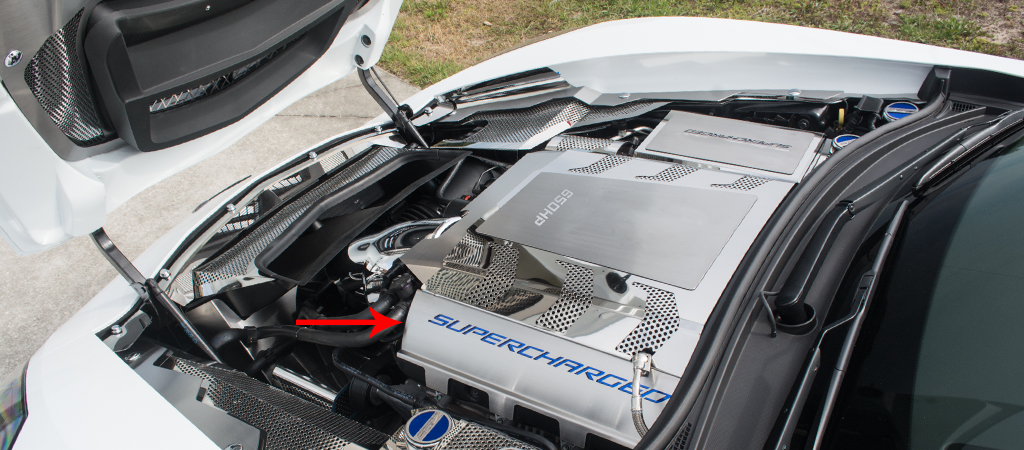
(384, 388)
(320, 337)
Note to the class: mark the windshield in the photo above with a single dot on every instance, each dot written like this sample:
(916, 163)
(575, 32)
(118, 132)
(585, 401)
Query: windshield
(940, 361)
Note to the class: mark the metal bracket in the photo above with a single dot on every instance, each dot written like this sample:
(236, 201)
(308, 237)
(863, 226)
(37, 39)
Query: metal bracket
(149, 289)
(401, 115)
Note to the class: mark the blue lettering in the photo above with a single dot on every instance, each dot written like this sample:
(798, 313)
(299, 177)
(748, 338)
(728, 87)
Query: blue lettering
(601, 380)
(441, 319)
(606, 379)
(663, 397)
(590, 372)
(545, 356)
(527, 348)
(497, 338)
(458, 331)
(477, 331)
(512, 347)
(572, 365)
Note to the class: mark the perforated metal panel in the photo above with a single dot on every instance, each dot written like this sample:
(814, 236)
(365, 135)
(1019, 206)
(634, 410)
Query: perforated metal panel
(577, 295)
(660, 321)
(673, 173)
(469, 254)
(452, 284)
(238, 260)
(743, 184)
(603, 164)
(501, 272)
(287, 421)
(519, 125)
(57, 80)
(476, 437)
(570, 142)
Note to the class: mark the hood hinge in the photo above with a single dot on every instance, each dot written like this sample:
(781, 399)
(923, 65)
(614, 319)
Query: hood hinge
(148, 289)
(401, 115)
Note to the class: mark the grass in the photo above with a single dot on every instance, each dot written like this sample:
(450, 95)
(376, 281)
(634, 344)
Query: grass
(433, 39)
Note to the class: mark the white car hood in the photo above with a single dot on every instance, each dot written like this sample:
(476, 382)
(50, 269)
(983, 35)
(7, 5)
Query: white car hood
(45, 200)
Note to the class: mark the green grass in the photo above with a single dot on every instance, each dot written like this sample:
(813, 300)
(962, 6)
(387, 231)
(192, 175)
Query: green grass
(433, 39)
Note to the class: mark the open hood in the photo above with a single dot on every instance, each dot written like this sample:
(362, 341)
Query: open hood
(104, 99)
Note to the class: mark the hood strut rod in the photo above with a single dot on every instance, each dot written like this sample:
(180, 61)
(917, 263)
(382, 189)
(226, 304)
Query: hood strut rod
(148, 288)
(400, 115)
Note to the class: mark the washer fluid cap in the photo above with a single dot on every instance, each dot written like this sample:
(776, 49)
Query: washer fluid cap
(843, 140)
(899, 110)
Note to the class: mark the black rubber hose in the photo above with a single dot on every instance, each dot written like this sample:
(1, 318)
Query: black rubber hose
(321, 337)
(381, 386)
(269, 356)
(383, 304)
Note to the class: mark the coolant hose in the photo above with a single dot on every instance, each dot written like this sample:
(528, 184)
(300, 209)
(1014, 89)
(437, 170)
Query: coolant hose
(321, 337)
(383, 304)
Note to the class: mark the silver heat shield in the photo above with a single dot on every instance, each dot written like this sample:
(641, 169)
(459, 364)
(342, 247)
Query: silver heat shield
(569, 264)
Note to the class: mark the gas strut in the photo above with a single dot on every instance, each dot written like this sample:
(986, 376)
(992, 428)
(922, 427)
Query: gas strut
(400, 115)
(148, 288)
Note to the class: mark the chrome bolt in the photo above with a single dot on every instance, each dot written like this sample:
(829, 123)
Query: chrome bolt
(230, 208)
(312, 155)
(13, 58)
(132, 357)
(234, 447)
(624, 95)
(378, 128)
(794, 92)
(117, 330)
(164, 274)
(428, 110)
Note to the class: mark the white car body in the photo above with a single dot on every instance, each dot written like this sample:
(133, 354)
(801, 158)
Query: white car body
(81, 395)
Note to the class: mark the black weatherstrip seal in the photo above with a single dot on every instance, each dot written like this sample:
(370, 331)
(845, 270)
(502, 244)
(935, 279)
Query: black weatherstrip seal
(718, 333)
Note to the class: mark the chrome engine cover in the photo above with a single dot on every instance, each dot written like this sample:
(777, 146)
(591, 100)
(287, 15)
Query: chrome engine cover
(569, 264)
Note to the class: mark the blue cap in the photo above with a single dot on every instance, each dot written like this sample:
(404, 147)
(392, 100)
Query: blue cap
(898, 110)
(843, 140)
(427, 428)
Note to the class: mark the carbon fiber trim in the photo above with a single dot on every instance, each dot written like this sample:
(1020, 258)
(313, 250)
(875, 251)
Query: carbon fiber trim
(673, 173)
(602, 165)
(238, 260)
(57, 80)
(743, 184)
(660, 321)
(288, 422)
(577, 295)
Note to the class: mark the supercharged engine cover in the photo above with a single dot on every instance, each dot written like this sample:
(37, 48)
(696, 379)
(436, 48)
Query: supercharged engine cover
(565, 267)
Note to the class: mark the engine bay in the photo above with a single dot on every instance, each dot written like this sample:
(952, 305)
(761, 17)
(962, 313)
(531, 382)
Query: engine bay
(550, 264)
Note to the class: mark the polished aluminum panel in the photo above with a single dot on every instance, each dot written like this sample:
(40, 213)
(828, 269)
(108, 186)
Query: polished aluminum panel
(736, 142)
(585, 389)
(667, 233)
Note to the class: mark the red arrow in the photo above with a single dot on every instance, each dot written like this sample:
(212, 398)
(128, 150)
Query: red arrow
(380, 322)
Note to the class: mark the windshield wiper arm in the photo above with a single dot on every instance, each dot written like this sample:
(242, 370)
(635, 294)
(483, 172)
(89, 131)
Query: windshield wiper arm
(968, 145)
(862, 300)
(856, 323)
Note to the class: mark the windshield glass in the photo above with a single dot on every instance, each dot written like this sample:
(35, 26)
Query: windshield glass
(940, 361)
